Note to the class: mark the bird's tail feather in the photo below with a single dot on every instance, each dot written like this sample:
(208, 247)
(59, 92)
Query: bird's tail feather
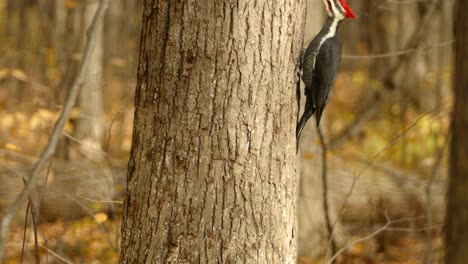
(309, 111)
(318, 115)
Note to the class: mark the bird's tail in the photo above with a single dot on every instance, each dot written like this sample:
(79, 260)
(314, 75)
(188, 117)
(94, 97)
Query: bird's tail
(308, 112)
(318, 115)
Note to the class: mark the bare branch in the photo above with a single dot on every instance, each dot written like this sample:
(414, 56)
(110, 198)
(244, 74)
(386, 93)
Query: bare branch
(16, 156)
(53, 253)
(373, 234)
(24, 233)
(99, 201)
(427, 190)
(326, 210)
(34, 223)
(380, 96)
(57, 130)
(104, 230)
(376, 232)
(372, 161)
(397, 53)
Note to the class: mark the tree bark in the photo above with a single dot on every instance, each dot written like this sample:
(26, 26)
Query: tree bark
(457, 206)
(212, 169)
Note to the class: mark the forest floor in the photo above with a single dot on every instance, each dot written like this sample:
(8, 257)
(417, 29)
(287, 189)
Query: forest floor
(89, 240)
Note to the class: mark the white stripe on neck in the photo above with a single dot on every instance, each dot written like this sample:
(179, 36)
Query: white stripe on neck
(330, 34)
(332, 31)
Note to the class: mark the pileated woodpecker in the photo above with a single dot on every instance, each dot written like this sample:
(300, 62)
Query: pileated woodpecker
(319, 63)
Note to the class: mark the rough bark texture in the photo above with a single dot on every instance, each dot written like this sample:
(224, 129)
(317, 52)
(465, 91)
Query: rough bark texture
(212, 170)
(457, 206)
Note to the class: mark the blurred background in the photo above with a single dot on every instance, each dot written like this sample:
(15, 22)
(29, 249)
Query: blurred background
(386, 127)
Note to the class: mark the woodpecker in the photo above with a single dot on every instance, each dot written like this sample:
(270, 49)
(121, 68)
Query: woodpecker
(319, 62)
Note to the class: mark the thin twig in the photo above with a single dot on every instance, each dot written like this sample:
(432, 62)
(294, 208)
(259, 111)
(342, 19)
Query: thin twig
(17, 156)
(81, 142)
(413, 230)
(49, 150)
(428, 194)
(397, 53)
(391, 143)
(34, 223)
(382, 95)
(109, 131)
(326, 209)
(99, 201)
(392, 172)
(104, 230)
(373, 234)
(53, 253)
(374, 159)
(24, 233)
(376, 232)
(56, 255)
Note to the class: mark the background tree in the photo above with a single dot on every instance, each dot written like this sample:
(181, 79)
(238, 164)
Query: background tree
(211, 176)
(89, 126)
(456, 234)
(399, 121)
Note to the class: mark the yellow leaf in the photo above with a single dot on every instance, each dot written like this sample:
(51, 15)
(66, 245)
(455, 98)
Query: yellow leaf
(100, 217)
(12, 147)
(19, 74)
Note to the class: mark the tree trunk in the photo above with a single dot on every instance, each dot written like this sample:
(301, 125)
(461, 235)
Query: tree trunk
(116, 21)
(457, 206)
(89, 128)
(60, 29)
(212, 169)
(23, 11)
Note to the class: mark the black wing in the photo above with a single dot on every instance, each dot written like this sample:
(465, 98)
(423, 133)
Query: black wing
(325, 71)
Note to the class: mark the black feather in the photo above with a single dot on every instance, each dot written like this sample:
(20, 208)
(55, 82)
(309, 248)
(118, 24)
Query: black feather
(320, 64)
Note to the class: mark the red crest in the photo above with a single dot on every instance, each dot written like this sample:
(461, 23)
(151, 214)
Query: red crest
(347, 8)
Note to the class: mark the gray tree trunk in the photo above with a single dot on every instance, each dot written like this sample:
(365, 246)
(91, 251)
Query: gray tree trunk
(116, 23)
(60, 28)
(212, 169)
(457, 206)
(89, 129)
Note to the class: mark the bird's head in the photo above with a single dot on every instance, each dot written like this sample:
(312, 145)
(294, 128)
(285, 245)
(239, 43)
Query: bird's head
(339, 9)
